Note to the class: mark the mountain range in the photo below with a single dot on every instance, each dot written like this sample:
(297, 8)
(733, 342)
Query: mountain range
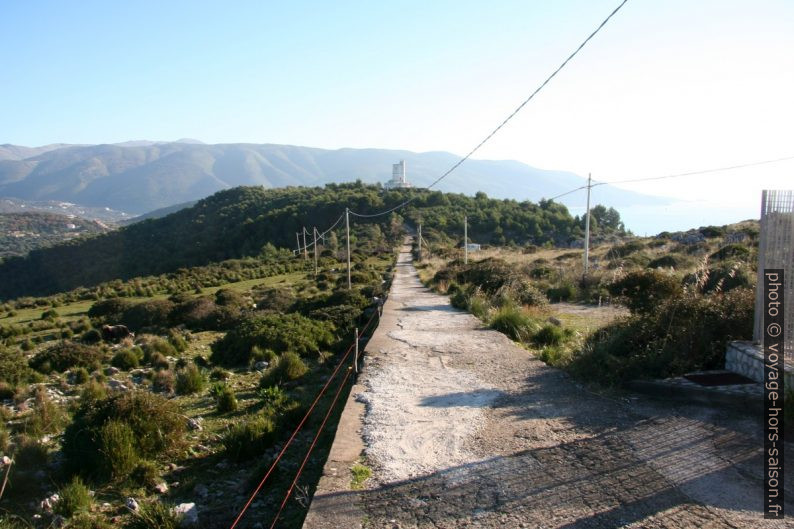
(141, 176)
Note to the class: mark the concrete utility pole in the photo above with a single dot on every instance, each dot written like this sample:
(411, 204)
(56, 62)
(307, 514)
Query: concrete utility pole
(314, 232)
(587, 227)
(305, 251)
(420, 241)
(465, 239)
(347, 231)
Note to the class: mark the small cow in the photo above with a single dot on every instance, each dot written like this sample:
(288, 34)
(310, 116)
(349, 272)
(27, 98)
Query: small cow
(114, 333)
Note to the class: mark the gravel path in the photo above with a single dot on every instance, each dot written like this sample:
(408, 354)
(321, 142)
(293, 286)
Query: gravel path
(463, 428)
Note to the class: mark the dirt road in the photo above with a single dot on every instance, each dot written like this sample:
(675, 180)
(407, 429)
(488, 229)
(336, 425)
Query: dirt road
(463, 428)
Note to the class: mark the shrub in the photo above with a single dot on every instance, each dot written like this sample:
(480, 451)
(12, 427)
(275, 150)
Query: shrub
(157, 345)
(65, 355)
(666, 261)
(564, 292)
(93, 391)
(645, 290)
(513, 322)
(91, 336)
(711, 232)
(50, 314)
(146, 474)
(109, 310)
(274, 399)
(125, 359)
(224, 397)
(249, 439)
(288, 367)
(189, 380)
(47, 416)
(117, 442)
(156, 424)
(549, 335)
(153, 313)
(738, 251)
(14, 370)
(177, 340)
(158, 361)
(163, 381)
(29, 453)
(73, 498)
(290, 332)
(617, 252)
(681, 335)
(219, 373)
(522, 292)
(154, 515)
(79, 375)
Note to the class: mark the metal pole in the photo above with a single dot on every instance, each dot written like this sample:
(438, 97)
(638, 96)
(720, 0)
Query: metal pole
(465, 239)
(305, 251)
(347, 231)
(420, 242)
(314, 232)
(355, 359)
(587, 227)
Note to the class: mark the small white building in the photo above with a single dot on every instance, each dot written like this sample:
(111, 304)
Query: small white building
(398, 180)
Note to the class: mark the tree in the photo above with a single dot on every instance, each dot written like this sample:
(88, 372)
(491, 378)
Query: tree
(607, 219)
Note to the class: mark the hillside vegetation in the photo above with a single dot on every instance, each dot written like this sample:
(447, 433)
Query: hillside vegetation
(22, 232)
(239, 222)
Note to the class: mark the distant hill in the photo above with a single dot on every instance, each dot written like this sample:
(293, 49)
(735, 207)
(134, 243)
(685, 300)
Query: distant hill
(141, 176)
(239, 222)
(158, 213)
(22, 232)
(102, 214)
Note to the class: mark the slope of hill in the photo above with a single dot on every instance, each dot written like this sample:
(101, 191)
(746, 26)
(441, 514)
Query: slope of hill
(22, 232)
(239, 222)
(138, 177)
(101, 214)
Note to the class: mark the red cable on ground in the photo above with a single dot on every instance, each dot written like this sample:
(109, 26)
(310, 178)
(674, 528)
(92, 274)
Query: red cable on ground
(289, 441)
(314, 442)
(292, 437)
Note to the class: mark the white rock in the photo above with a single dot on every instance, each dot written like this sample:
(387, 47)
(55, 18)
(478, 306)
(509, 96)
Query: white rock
(261, 365)
(117, 385)
(110, 371)
(132, 504)
(188, 514)
(194, 424)
(161, 488)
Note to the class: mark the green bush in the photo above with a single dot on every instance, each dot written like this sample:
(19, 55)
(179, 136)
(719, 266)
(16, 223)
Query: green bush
(29, 453)
(682, 335)
(737, 251)
(277, 299)
(667, 261)
(87, 521)
(513, 322)
(249, 439)
(644, 290)
(93, 391)
(73, 498)
(625, 249)
(109, 310)
(117, 442)
(14, 370)
(224, 397)
(65, 355)
(274, 398)
(125, 359)
(549, 335)
(288, 367)
(91, 336)
(156, 424)
(218, 373)
(177, 340)
(152, 313)
(47, 416)
(564, 292)
(189, 380)
(146, 474)
(290, 332)
(79, 375)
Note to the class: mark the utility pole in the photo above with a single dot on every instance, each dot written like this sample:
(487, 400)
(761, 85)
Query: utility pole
(305, 251)
(347, 231)
(465, 239)
(587, 227)
(298, 242)
(420, 241)
(314, 232)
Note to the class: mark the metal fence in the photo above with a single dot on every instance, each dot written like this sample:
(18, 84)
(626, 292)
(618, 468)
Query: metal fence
(776, 250)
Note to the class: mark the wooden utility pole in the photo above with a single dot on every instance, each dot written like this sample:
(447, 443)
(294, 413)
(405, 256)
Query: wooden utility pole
(305, 250)
(420, 241)
(465, 239)
(347, 232)
(587, 227)
(314, 232)
(298, 242)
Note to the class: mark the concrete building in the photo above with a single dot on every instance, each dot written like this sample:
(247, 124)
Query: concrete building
(398, 180)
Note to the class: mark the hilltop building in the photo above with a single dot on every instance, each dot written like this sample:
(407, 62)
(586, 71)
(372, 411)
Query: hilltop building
(398, 180)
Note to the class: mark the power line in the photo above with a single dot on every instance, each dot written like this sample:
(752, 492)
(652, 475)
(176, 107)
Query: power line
(692, 173)
(677, 175)
(507, 119)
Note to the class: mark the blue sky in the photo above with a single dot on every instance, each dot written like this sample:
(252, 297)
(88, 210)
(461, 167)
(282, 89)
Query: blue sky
(666, 87)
